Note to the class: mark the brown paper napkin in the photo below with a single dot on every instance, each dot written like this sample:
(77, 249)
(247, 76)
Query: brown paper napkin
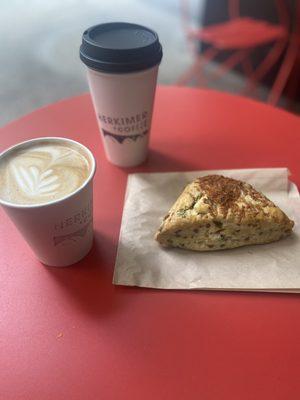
(142, 262)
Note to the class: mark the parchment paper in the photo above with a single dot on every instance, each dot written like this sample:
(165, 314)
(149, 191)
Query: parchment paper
(142, 262)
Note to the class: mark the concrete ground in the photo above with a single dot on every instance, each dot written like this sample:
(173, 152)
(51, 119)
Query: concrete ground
(41, 39)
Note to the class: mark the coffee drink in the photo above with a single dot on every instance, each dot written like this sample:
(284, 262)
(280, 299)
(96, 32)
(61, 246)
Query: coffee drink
(46, 189)
(42, 172)
(122, 62)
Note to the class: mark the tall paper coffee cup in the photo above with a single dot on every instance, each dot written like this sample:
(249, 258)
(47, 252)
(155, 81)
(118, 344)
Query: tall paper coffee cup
(122, 65)
(59, 232)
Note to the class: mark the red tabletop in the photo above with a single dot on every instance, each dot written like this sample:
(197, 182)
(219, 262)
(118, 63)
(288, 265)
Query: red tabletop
(69, 334)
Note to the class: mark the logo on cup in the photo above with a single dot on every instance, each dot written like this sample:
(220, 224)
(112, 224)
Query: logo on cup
(74, 236)
(120, 138)
(80, 220)
(120, 128)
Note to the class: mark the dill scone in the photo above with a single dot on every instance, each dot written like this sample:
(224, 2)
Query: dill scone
(216, 213)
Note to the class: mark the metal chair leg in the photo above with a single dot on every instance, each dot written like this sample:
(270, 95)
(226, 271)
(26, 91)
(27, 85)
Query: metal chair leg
(247, 66)
(231, 62)
(195, 69)
(265, 66)
(284, 72)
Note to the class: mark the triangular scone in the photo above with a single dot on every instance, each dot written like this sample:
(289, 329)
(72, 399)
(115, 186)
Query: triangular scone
(215, 213)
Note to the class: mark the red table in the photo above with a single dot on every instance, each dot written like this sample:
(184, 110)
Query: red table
(69, 334)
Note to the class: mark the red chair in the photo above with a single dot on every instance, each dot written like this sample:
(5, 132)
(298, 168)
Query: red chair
(289, 72)
(240, 35)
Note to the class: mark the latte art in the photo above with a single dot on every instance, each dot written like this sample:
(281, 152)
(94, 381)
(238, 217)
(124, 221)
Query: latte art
(34, 183)
(42, 173)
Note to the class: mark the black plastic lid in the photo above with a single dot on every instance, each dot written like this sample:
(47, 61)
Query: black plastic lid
(120, 47)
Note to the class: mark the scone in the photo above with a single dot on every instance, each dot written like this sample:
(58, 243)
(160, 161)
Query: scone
(216, 213)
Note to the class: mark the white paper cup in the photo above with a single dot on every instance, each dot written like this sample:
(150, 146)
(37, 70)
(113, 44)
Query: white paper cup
(59, 232)
(123, 105)
(122, 62)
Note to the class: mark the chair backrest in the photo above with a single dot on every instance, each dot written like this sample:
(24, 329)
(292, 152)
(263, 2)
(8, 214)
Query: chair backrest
(281, 8)
(234, 12)
(233, 8)
(283, 13)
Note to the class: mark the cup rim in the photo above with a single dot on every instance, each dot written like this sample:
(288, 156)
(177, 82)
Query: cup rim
(53, 202)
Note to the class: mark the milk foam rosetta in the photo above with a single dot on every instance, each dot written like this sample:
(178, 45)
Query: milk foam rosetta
(42, 173)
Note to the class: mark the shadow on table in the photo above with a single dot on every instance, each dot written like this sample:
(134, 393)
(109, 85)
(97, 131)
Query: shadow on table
(89, 282)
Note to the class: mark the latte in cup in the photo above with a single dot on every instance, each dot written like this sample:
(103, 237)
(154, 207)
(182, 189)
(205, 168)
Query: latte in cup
(42, 172)
(46, 189)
